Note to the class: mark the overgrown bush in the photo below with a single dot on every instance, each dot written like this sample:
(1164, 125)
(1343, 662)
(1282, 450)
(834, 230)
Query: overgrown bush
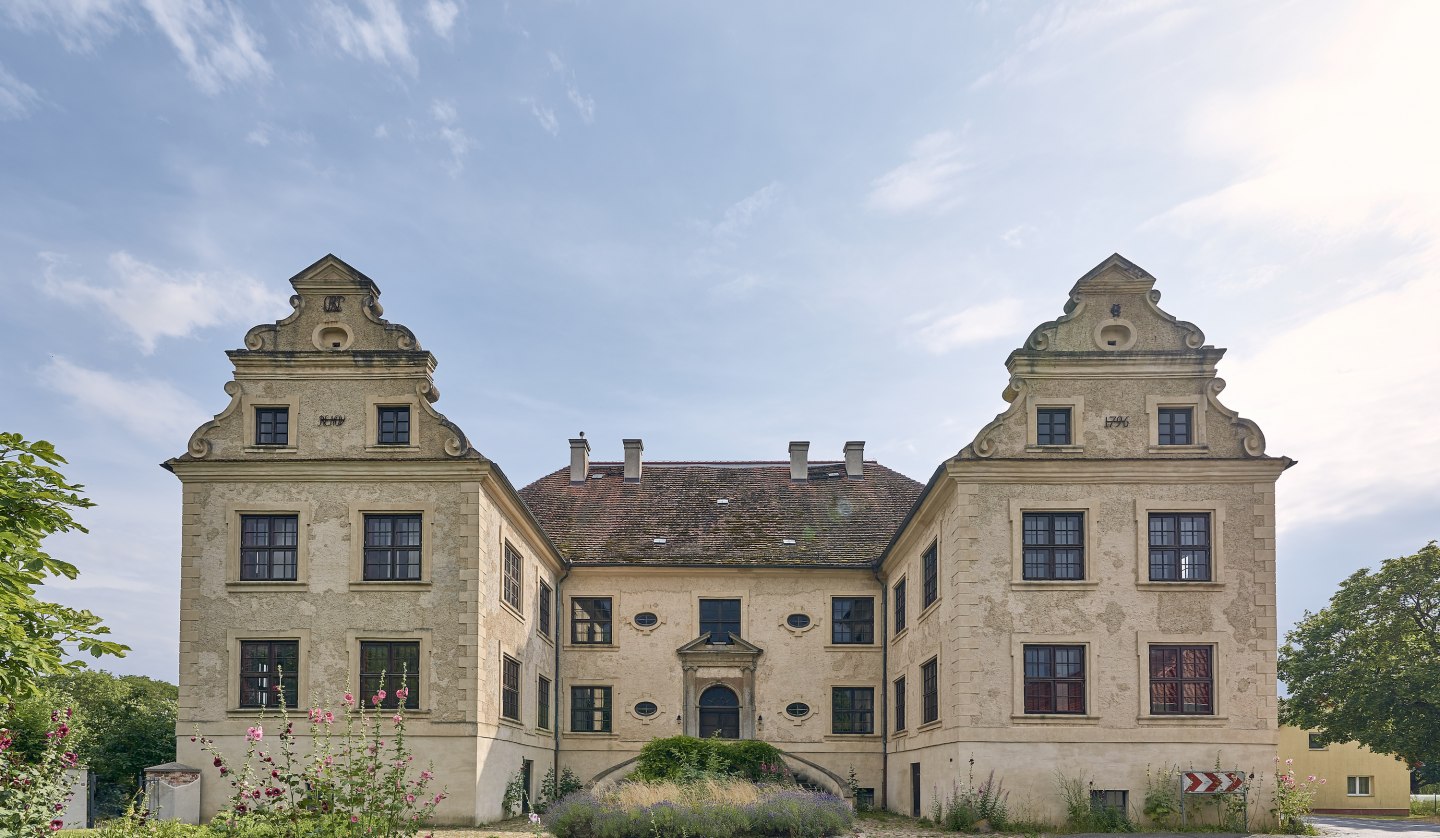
(1292, 799)
(686, 759)
(33, 791)
(1162, 795)
(700, 809)
(970, 806)
(1084, 814)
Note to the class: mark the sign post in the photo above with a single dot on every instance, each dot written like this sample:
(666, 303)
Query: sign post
(1213, 782)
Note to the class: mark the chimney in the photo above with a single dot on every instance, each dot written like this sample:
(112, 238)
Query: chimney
(579, 459)
(799, 460)
(855, 458)
(633, 449)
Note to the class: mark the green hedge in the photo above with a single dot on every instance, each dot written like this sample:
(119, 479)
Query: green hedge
(685, 758)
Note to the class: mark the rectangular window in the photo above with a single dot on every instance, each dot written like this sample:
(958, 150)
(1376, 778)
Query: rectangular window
(268, 545)
(543, 612)
(930, 691)
(719, 618)
(1357, 786)
(899, 598)
(1182, 681)
(1316, 743)
(930, 564)
(394, 425)
(852, 619)
(590, 709)
(392, 547)
(1055, 679)
(1054, 545)
(272, 426)
(542, 703)
(268, 669)
(390, 665)
(590, 620)
(864, 799)
(1180, 547)
(509, 688)
(899, 704)
(852, 710)
(1052, 426)
(512, 584)
(1177, 425)
(1116, 800)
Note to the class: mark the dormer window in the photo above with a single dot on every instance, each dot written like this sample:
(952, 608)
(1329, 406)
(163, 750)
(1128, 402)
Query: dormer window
(394, 425)
(1052, 426)
(1177, 426)
(272, 426)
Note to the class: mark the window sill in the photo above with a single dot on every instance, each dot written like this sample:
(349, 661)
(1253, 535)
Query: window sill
(1181, 719)
(1055, 585)
(1055, 719)
(935, 725)
(378, 585)
(849, 737)
(1179, 449)
(255, 586)
(271, 449)
(1358, 795)
(597, 734)
(377, 448)
(899, 634)
(514, 612)
(899, 734)
(516, 724)
(1180, 586)
(852, 647)
(1054, 449)
(545, 637)
(929, 609)
(580, 647)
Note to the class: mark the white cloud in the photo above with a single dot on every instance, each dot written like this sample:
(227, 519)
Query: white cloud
(380, 36)
(1015, 236)
(152, 303)
(150, 409)
(213, 39)
(79, 24)
(452, 134)
(382, 131)
(441, 14)
(930, 180)
(584, 105)
(977, 324)
(545, 116)
(740, 215)
(264, 134)
(17, 99)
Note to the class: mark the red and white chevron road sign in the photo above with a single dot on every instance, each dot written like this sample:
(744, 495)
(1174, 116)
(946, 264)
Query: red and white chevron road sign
(1212, 782)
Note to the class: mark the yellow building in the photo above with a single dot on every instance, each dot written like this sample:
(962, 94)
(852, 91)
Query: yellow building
(1358, 781)
(1087, 585)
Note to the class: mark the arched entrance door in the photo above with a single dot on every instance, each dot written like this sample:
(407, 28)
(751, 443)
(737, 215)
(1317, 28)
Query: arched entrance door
(719, 713)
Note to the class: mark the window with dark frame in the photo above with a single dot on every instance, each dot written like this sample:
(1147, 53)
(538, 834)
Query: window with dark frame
(930, 691)
(1052, 426)
(1054, 546)
(899, 704)
(268, 547)
(1180, 547)
(719, 618)
(394, 425)
(1182, 680)
(512, 585)
(542, 702)
(852, 620)
(1177, 426)
(390, 665)
(930, 565)
(864, 799)
(542, 613)
(899, 598)
(1117, 800)
(268, 669)
(509, 688)
(852, 710)
(392, 547)
(1055, 679)
(272, 426)
(590, 709)
(1316, 743)
(590, 620)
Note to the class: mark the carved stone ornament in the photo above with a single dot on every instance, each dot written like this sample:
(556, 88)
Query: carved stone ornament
(199, 446)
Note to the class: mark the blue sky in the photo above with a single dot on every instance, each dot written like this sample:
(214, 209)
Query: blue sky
(719, 228)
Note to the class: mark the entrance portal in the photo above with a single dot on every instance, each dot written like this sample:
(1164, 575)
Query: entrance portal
(719, 713)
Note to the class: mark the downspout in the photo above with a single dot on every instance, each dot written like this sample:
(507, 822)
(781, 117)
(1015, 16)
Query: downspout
(555, 699)
(884, 691)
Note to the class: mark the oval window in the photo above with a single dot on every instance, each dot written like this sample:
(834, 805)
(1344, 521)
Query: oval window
(798, 709)
(646, 708)
(798, 621)
(646, 619)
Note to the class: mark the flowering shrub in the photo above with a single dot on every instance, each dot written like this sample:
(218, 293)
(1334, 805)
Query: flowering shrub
(1293, 797)
(706, 809)
(356, 779)
(33, 793)
(969, 805)
(687, 758)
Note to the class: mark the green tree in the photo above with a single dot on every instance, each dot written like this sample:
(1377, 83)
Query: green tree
(1367, 666)
(35, 501)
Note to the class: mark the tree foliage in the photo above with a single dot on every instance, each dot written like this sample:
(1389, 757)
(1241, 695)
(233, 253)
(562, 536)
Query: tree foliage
(1367, 666)
(36, 501)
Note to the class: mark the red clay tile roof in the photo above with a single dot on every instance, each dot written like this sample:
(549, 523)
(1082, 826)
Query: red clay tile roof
(834, 520)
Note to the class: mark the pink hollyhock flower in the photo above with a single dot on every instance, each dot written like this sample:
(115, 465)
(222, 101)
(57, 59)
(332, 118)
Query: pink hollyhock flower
(316, 715)
(1322, 781)
(349, 700)
(255, 734)
(397, 718)
(1289, 762)
(409, 798)
(56, 824)
(402, 693)
(426, 775)
(354, 819)
(329, 717)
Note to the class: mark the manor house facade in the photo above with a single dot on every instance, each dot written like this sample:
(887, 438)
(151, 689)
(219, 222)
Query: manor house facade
(1087, 586)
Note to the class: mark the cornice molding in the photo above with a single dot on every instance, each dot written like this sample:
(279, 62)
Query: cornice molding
(330, 471)
(1157, 471)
